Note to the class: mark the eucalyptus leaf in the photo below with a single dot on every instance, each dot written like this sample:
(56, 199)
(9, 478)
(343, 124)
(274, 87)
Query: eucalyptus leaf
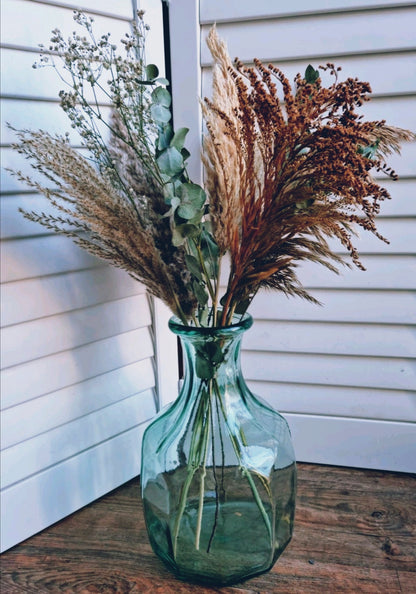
(174, 203)
(185, 153)
(160, 113)
(161, 96)
(193, 266)
(209, 356)
(170, 161)
(311, 75)
(164, 137)
(192, 199)
(162, 81)
(180, 233)
(152, 72)
(178, 139)
(200, 293)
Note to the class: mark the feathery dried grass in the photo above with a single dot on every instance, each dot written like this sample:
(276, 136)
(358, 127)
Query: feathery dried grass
(126, 231)
(283, 177)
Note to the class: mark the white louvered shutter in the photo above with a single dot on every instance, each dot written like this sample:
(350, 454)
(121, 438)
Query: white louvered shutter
(344, 375)
(81, 341)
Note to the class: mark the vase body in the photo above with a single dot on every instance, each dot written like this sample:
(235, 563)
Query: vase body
(218, 471)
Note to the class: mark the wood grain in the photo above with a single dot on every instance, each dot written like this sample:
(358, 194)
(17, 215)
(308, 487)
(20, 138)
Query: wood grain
(355, 532)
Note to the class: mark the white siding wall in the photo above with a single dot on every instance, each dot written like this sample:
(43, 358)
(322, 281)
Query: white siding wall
(79, 352)
(344, 375)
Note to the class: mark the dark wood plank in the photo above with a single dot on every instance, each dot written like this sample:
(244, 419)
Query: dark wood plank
(355, 532)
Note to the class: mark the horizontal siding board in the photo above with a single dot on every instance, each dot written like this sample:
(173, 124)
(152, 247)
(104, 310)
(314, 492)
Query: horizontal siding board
(353, 33)
(388, 405)
(386, 307)
(23, 82)
(333, 370)
(364, 443)
(47, 449)
(44, 296)
(41, 115)
(14, 225)
(218, 10)
(383, 272)
(33, 257)
(42, 499)
(42, 376)
(401, 68)
(402, 201)
(45, 336)
(121, 8)
(22, 422)
(400, 234)
(333, 339)
(48, 17)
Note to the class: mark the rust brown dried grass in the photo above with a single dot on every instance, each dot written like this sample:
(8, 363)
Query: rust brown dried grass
(286, 171)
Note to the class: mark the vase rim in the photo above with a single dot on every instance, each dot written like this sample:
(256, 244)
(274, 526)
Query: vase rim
(241, 324)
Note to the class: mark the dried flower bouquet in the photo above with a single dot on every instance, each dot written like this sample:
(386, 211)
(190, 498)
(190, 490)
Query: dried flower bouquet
(287, 168)
(283, 174)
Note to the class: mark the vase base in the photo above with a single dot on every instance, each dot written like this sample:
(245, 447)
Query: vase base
(233, 543)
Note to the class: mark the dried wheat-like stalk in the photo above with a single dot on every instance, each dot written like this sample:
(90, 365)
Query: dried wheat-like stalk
(284, 176)
(126, 231)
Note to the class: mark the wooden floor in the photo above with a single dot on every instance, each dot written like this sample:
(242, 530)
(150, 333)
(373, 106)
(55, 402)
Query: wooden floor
(355, 532)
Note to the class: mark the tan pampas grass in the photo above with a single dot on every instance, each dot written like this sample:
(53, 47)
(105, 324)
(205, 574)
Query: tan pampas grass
(125, 231)
(284, 176)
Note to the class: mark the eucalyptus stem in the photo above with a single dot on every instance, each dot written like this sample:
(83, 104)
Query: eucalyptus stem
(202, 484)
(244, 469)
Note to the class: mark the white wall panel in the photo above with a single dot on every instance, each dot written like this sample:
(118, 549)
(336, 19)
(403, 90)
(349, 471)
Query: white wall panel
(54, 294)
(45, 412)
(345, 373)
(41, 376)
(234, 10)
(79, 373)
(346, 33)
(45, 498)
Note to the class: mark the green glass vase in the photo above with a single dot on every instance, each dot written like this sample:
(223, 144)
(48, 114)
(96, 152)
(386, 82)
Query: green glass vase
(218, 471)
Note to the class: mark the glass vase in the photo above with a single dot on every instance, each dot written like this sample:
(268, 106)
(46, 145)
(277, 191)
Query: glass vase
(218, 471)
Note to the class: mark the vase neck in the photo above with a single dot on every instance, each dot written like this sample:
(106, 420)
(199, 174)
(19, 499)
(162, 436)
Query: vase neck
(212, 355)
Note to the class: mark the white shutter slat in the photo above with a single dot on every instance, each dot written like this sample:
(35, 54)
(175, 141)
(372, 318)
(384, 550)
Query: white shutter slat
(41, 115)
(70, 330)
(401, 68)
(388, 307)
(381, 445)
(41, 414)
(382, 272)
(47, 449)
(54, 254)
(326, 33)
(56, 294)
(364, 372)
(41, 376)
(48, 17)
(42, 499)
(121, 8)
(332, 338)
(218, 10)
(338, 401)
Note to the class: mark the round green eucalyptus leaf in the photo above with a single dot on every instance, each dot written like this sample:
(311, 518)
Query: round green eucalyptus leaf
(178, 139)
(200, 293)
(160, 113)
(164, 137)
(193, 265)
(152, 72)
(170, 161)
(192, 199)
(161, 96)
